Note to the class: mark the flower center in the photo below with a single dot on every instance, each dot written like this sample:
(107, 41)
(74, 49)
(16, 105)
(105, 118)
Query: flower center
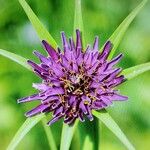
(77, 84)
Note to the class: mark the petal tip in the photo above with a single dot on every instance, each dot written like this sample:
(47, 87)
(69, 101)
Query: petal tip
(19, 101)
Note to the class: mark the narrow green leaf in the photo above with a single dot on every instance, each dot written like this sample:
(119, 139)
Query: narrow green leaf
(19, 59)
(67, 135)
(90, 129)
(112, 125)
(49, 135)
(132, 72)
(23, 130)
(39, 27)
(118, 34)
(78, 21)
(88, 145)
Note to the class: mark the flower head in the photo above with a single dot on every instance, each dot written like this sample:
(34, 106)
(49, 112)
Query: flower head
(75, 81)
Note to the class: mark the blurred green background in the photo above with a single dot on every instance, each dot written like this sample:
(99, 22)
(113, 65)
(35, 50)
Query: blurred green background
(101, 17)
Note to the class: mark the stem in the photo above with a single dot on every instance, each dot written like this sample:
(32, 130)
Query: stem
(49, 135)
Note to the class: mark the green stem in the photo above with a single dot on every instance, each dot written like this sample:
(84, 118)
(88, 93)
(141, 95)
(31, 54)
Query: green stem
(49, 135)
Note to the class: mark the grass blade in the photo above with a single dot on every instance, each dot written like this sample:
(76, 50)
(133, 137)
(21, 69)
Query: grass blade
(19, 59)
(49, 135)
(23, 130)
(132, 72)
(118, 34)
(67, 135)
(78, 21)
(112, 125)
(87, 144)
(90, 129)
(39, 27)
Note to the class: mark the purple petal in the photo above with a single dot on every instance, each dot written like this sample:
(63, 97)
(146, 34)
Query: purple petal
(56, 83)
(88, 49)
(55, 119)
(39, 74)
(89, 115)
(54, 91)
(86, 98)
(37, 110)
(69, 120)
(72, 44)
(80, 115)
(56, 104)
(35, 66)
(50, 99)
(51, 51)
(65, 62)
(75, 67)
(40, 86)
(42, 58)
(93, 68)
(29, 98)
(83, 108)
(106, 51)
(116, 81)
(64, 41)
(114, 61)
(57, 69)
(71, 100)
(88, 59)
(96, 44)
(78, 42)
(79, 60)
(118, 97)
(38, 70)
(106, 100)
(58, 111)
(97, 105)
(114, 74)
(68, 55)
(94, 84)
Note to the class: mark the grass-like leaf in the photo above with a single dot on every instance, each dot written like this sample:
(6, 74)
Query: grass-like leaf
(118, 34)
(39, 27)
(19, 59)
(112, 125)
(67, 135)
(132, 72)
(49, 135)
(23, 130)
(90, 129)
(88, 145)
(78, 21)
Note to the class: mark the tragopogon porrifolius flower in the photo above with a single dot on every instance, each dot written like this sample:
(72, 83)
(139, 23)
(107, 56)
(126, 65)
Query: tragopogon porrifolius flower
(75, 81)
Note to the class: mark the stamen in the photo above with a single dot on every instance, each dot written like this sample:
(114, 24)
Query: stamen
(86, 102)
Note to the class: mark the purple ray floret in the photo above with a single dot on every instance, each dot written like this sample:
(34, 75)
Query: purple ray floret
(75, 82)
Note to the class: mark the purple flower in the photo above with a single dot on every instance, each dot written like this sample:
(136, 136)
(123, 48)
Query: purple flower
(75, 81)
